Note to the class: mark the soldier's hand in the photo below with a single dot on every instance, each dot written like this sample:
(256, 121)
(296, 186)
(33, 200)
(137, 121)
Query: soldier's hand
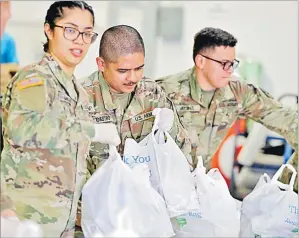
(106, 133)
(166, 120)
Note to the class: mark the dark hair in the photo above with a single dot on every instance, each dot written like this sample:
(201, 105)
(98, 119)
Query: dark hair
(56, 11)
(209, 38)
(120, 40)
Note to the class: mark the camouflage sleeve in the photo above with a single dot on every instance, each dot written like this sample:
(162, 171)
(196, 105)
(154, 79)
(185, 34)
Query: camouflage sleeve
(263, 108)
(31, 115)
(178, 132)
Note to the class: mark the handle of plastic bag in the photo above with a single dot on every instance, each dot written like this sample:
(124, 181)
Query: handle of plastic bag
(214, 171)
(213, 175)
(266, 178)
(199, 166)
(279, 172)
(160, 136)
(202, 179)
(156, 113)
(113, 153)
(199, 161)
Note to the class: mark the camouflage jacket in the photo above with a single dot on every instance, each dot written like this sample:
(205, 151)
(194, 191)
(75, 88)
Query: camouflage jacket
(134, 122)
(46, 141)
(207, 124)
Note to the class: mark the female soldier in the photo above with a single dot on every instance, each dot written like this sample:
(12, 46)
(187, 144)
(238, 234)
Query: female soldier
(47, 131)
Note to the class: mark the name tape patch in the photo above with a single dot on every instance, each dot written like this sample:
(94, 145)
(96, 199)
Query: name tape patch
(101, 118)
(142, 117)
(190, 108)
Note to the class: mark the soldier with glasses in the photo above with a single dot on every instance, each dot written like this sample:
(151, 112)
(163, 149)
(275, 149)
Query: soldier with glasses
(47, 130)
(208, 98)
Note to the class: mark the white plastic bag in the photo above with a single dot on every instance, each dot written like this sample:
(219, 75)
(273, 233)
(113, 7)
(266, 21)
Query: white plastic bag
(143, 153)
(218, 214)
(217, 206)
(250, 209)
(118, 201)
(192, 224)
(271, 208)
(170, 174)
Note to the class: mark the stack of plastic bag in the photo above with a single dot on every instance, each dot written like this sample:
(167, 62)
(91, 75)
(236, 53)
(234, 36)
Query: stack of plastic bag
(218, 214)
(271, 209)
(118, 201)
(170, 173)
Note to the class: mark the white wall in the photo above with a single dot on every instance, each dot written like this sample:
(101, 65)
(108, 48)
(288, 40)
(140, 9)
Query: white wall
(26, 25)
(266, 31)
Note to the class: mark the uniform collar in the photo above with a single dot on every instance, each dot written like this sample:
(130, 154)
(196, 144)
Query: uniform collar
(66, 81)
(105, 89)
(197, 92)
(48, 59)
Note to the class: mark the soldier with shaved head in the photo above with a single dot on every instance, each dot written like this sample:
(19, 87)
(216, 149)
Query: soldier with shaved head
(120, 40)
(119, 93)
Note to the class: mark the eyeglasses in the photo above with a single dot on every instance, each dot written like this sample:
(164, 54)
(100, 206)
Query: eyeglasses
(226, 65)
(72, 34)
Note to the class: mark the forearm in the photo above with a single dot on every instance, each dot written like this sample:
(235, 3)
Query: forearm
(264, 109)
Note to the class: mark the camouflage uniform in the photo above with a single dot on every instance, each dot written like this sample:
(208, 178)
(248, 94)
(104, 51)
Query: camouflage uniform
(47, 135)
(207, 122)
(134, 122)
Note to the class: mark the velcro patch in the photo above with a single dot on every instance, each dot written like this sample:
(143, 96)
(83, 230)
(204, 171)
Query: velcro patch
(100, 118)
(30, 82)
(228, 104)
(190, 108)
(142, 117)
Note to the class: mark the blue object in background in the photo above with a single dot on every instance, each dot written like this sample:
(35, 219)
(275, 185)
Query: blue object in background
(8, 50)
(288, 150)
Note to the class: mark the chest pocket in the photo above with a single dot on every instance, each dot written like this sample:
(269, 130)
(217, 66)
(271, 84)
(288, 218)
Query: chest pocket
(141, 125)
(191, 116)
(82, 112)
(65, 103)
(226, 114)
(99, 152)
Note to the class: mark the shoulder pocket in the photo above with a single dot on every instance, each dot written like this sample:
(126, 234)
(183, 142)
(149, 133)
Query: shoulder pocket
(33, 98)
